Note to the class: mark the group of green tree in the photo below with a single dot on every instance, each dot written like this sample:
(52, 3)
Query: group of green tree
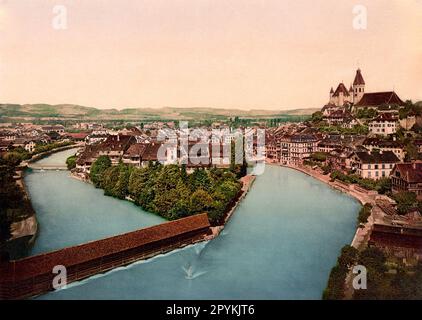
(40, 148)
(335, 289)
(168, 190)
(14, 205)
(410, 108)
(366, 113)
(407, 201)
(404, 283)
(382, 185)
(357, 129)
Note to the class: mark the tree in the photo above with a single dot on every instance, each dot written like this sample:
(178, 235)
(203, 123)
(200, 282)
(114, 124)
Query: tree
(97, 169)
(383, 185)
(319, 156)
(364, 213)
(120, 189)
(348, 256)
(184, 174)
(200, 201)
(12, 158)
(109, 179)
(405, 201)
(411, 152)
(373, 258)
(317, 117)
(71, 162)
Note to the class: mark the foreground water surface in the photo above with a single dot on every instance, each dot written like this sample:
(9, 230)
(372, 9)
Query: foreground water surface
(280, 244)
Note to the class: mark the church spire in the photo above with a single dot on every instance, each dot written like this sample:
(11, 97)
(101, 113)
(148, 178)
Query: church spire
(358, 79)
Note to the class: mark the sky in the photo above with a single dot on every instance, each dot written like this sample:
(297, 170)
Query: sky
(244, 54)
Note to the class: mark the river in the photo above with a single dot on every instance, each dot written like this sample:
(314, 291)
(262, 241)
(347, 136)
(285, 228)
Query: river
(280, 243)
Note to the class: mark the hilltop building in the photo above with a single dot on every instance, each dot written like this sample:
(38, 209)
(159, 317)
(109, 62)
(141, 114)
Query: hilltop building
(357, 97)
(342, 96)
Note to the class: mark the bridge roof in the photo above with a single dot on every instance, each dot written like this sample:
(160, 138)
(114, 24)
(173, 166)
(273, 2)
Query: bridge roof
(71, 256)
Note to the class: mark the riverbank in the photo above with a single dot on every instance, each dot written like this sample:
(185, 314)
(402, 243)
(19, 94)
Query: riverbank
(247, 182)
(24, 232)
(362, 231)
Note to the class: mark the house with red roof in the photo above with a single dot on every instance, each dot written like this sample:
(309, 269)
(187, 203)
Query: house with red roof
(407, 177)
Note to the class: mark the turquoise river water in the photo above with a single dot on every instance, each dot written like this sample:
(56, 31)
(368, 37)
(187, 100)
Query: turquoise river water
(280, 243)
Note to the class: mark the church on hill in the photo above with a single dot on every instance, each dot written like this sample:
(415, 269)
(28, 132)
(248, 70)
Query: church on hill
(355, 96)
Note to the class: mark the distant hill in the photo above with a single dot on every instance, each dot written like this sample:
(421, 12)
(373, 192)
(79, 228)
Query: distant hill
(75, 112)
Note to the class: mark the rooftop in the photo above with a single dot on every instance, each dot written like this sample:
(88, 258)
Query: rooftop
(377, 157)
(379, 98)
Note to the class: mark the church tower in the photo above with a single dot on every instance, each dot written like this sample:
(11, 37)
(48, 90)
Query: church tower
(331, 95)
(358, 87)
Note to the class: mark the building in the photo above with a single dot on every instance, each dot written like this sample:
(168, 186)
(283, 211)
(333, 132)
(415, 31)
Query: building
(79, 136)
(373, 165)
(343, 96)
(402, 241)
(338, 117)
(94, 138)
(273, 149)
(357, 96)
(30, 146)
(376, 100)
(141, 154)
(385, 124)
(55, 128)
(376, 144)
(407, 177)
(337, 158)
(87, 158)
(296, 148)
(115, 146)
(134, 154)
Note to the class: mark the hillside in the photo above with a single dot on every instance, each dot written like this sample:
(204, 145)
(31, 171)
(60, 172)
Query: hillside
(75, 112)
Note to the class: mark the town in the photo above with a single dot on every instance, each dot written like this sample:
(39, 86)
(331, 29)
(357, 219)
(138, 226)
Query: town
(366, 144)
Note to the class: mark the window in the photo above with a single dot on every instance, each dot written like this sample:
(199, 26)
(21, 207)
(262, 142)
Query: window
(376, 173)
